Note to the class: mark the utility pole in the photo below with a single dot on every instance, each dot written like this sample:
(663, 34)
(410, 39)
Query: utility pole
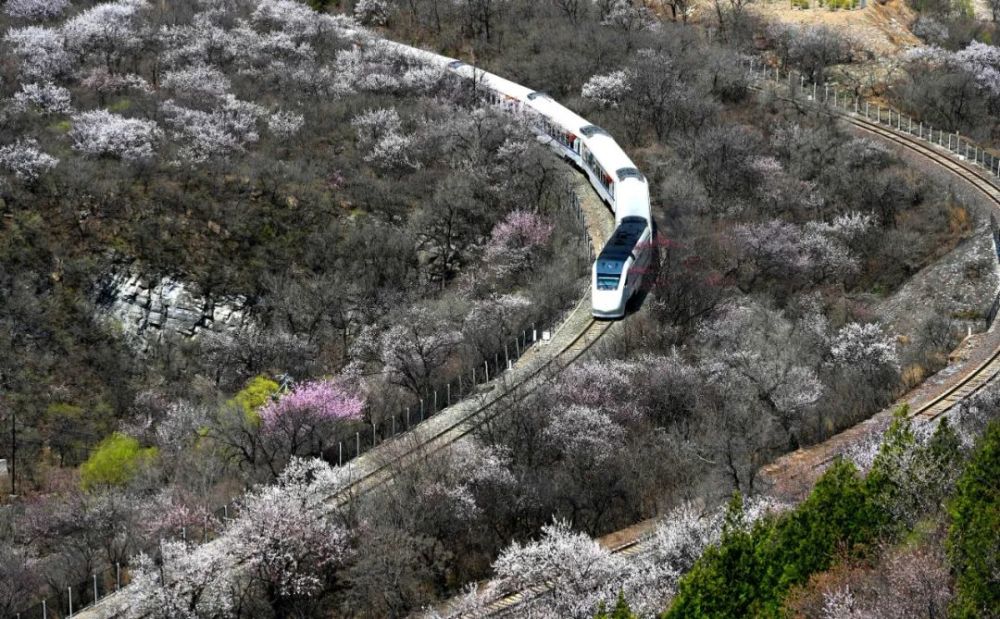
(13, 452)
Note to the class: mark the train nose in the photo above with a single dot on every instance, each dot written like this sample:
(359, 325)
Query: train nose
(608, 304)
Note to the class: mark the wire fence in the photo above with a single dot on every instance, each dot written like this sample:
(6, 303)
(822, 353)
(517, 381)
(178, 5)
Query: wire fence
(58, 605)
(829, 95)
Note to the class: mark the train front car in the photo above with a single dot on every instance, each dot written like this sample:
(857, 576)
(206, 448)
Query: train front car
(617, 272)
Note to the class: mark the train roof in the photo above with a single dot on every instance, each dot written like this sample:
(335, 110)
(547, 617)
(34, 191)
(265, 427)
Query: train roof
(490, 80)
(624, 239)
(557, 113)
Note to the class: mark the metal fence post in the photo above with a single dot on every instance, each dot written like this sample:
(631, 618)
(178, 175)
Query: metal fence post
(474, 376)
(118, 568)
(225, 511)
(340, 453)
(70, 589)
(394, 425)
(814, 91)
(45, 611)
(449, 394)
(357, 442)
(506, 355)
(95, 588)
(373, 429)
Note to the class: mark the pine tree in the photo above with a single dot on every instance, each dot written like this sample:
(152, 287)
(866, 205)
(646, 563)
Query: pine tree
(974, 535)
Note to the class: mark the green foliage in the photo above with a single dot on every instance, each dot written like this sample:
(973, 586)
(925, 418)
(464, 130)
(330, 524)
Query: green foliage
(974, 535)
(257, 393)
(621, 610)
(120, 106)
(321, 5)
(725, 581)
(883, 479)
(115, 461)
(752, 568)
(837, 513)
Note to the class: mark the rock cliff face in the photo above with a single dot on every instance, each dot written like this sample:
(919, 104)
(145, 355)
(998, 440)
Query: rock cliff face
(147, 310)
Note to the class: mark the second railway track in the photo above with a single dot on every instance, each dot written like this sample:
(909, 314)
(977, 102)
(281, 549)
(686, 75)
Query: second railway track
(963, 386)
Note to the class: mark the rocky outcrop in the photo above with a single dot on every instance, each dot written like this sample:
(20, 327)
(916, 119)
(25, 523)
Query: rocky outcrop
(147, 310)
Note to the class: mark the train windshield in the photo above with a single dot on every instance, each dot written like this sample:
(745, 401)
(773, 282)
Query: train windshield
(609, 273)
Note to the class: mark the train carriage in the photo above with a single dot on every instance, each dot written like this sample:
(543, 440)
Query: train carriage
(618, 271)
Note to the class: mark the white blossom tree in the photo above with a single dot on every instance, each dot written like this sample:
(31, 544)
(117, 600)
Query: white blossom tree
(866, 348)
(281, 541)
(35, 9)
(25, 161)
(608, 90)
(285, 124)
(102, 133)
(197, 81)
(46, 97)
(576, 568)
(191, 582)
(372, 12)
(40, 53)
(107, 31)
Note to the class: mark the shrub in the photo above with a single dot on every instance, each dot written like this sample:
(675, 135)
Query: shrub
(115, 461)
(258, 392)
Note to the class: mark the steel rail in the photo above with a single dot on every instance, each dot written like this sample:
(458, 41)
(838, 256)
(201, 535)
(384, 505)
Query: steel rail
(589, 335)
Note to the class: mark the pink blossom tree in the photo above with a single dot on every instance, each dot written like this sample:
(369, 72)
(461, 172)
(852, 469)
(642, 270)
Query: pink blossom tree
(515, 242)
(322, 399)
(304, 421)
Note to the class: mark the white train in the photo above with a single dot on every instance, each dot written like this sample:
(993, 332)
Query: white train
(617, 273)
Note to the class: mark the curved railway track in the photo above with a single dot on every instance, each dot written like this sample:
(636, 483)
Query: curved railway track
(576, 335)
(484, 411)
(971, 382)
(961, 387)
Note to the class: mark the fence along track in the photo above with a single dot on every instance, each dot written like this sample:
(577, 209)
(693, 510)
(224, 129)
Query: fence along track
(457, 429)
(584, 339)
(579, 327)
(971, 382)
(968, 383)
